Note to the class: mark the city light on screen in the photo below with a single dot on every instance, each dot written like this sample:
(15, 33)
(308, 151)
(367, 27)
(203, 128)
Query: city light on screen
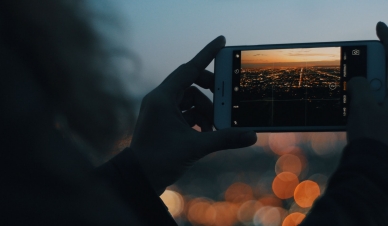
(307, 82)
(329, 56)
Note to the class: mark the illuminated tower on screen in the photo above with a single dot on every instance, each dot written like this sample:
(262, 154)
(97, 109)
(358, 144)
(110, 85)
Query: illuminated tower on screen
(300, 77)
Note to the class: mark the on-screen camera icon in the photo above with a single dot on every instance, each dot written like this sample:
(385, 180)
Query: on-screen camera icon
(355, 52)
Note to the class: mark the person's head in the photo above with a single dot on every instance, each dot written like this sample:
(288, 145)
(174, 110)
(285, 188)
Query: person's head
(56, 45)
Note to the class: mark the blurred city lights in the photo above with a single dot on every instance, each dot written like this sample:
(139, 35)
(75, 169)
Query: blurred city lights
(278, 142)
(284, 185)
(268, 216)
(238, 192)
(174, 202)
(264, 189)
(271, 201)
(324, 144)
(262, 139)
(247, 210)
(293, 219)
(341, 136)
(200, 211)
(226, 213)
(306, 192)
(288, 163)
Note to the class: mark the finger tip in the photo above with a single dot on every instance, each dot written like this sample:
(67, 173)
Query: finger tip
(248, 138)
(381, 24)
(382, 30)
(222, 39)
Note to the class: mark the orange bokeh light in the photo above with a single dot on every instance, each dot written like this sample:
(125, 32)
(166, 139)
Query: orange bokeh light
(201, 211)
(226, 213)
(238, 192)
(271, 201)
(262, 139)
(293, 219)
(269, 216)
(288, 163)
(278, 142)
(324, 144)
(247, 210)
(174, 202)
(284, 185)
(306, 193)
(341, 136)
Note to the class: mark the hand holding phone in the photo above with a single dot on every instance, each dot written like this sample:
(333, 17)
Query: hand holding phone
(164, 141)
(293, 87)
(368, 119)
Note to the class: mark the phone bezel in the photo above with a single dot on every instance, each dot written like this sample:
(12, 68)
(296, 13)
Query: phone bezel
(222, 98)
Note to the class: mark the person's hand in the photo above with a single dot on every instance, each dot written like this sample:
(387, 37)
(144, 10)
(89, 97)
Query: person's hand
(368, 119)
(164, 141)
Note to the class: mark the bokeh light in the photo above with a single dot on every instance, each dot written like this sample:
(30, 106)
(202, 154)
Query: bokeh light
(226, 213)
(306, 192)
(284, 185)
(247, 210)
(268, 216)
(288, 163)
(278, 142)
(271, 200)
(201, 211)
(264, 188)
(238, 192)
(324, 144)
(174, 202)
(293, 219)
(262, 139)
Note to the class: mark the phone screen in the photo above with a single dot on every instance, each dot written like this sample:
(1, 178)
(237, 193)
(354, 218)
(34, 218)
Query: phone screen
(294, 87)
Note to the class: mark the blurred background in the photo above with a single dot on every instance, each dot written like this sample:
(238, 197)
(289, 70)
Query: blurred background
(276, 181)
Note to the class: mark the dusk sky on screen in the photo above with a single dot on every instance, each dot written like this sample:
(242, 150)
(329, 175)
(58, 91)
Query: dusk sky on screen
(165, 34)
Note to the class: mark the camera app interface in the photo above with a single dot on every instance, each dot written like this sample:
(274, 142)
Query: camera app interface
(294, 87)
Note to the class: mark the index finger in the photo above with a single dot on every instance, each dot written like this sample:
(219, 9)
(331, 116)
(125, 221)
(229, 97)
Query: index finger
(207, 54)
(188, 73)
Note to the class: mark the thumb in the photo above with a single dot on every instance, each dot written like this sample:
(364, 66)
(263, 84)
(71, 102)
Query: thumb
(226, 139)
(382, 33)
(360, 94)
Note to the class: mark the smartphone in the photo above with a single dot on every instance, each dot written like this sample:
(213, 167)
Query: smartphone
(293, 87)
